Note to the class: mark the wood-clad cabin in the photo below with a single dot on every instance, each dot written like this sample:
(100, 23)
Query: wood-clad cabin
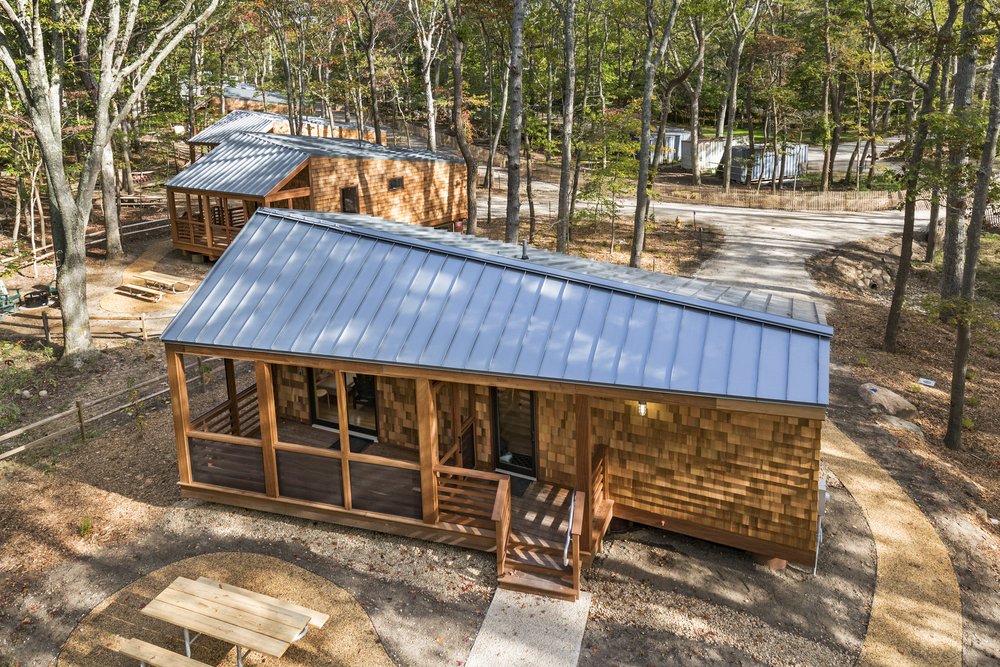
(434, 385)
(246, 120)
(210, 201)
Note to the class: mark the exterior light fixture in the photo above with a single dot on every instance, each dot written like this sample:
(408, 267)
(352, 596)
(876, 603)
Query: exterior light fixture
(642, 408)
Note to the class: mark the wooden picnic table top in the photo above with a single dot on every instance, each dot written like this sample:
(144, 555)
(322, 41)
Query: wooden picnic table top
(164, 279)
(233, 615)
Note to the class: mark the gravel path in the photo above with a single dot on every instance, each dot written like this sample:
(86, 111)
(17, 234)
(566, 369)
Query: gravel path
(763, 249)
(916, 615)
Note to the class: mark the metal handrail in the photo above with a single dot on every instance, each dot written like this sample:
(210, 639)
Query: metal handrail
(569, 527)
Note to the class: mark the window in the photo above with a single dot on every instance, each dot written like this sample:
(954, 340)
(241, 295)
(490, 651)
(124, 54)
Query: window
(395, 183)
(349, 199)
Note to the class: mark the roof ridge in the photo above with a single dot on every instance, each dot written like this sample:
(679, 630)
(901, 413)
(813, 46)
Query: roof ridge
(327, 219)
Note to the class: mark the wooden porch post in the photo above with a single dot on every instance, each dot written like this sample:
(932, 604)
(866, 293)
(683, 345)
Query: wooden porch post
(234, 410)
(206, 216)
(584, 468)
(172, 208)
(427, 439)
(181, 411)
(345, 439)
(456, 425)
(268, 426)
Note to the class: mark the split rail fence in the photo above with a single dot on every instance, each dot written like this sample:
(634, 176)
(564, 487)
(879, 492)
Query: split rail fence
(76, 418)
(141, 327)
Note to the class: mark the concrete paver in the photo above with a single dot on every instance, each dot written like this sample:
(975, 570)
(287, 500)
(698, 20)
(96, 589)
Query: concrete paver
(529, 631)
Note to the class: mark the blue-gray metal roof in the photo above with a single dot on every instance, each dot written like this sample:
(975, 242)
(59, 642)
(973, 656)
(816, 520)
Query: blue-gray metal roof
(355, 288)
(244, 120)
(245, 165)
(251, 164)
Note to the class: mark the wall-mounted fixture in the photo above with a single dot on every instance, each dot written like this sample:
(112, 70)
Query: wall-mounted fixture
(642, 408)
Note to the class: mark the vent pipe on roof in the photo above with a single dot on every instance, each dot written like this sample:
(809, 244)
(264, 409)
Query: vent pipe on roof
(524, 250)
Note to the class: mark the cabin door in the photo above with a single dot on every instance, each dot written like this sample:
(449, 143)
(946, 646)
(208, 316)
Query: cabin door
(362, 415)
(515, 432)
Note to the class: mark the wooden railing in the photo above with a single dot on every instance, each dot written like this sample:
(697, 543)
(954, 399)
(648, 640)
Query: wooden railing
(478, 499)
(599, 476)
(576, 530)
(239, 417)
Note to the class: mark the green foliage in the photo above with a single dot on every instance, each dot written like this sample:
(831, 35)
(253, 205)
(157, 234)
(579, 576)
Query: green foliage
(85, 527)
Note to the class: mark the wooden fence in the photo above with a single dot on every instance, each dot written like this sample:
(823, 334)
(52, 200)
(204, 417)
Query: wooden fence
(75, 419)
(788, 200)
(50, 328)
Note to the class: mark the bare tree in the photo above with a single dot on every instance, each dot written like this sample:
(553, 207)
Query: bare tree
(658, 30)
(32, 47)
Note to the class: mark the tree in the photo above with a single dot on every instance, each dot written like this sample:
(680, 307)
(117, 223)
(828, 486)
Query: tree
(956, 200)
(741, 22)
(516, 122)
(567, 11)
(658, 31)
(426, 17)
(133, 44)
(980, 201)
(458, 111)
(915, 159)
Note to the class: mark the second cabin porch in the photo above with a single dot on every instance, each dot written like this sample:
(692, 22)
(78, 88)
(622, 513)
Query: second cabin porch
(446, 461)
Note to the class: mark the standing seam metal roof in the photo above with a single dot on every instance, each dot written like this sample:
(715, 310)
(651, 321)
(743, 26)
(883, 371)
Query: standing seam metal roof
(252, 164)
(345, 287)
(245, 120)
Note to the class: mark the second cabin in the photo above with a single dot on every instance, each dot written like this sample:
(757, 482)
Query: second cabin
(210, 201)
(246, 120)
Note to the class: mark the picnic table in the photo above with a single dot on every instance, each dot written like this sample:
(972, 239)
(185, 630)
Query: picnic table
(162, 281)
(250, 621)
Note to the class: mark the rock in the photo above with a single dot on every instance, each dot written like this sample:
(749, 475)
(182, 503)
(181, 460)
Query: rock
(25, 394)
(896, 422)
(43, 393)
(886, 400)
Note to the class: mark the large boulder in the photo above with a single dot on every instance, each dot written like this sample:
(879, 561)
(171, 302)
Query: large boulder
(887, 401)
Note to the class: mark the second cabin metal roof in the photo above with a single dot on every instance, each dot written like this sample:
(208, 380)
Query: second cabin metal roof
(251, 164)
(245, 120)
(356, 288)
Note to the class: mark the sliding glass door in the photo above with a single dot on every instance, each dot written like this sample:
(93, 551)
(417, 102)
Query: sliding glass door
(515, 431)
(362, 415)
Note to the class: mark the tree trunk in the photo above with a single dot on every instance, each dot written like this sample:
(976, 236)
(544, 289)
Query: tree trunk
(824, 174)
(568, 10)
(957, 198)
(933, 227)
(980, 201)
(109, 201)
(516, 121)
(458, 118)
(431, 113)
(528, 189)
(652, 59)
(735, 53)
(695, 97)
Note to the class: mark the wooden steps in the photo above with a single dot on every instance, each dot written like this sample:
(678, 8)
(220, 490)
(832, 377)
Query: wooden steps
(538, 584)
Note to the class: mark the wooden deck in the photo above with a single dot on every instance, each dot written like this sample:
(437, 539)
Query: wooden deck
(540, 516)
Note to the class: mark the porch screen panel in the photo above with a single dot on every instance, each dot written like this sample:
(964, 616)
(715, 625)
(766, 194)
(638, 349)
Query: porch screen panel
(232, 466)
(377, 488)
(314, 478)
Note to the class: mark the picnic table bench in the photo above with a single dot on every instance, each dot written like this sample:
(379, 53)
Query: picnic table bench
(140, 292)
(231, 614)
(162, 281)
(153, 655)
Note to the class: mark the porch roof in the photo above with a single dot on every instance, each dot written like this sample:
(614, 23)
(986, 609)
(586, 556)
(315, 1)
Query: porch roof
(356, 288)
(246, 165)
